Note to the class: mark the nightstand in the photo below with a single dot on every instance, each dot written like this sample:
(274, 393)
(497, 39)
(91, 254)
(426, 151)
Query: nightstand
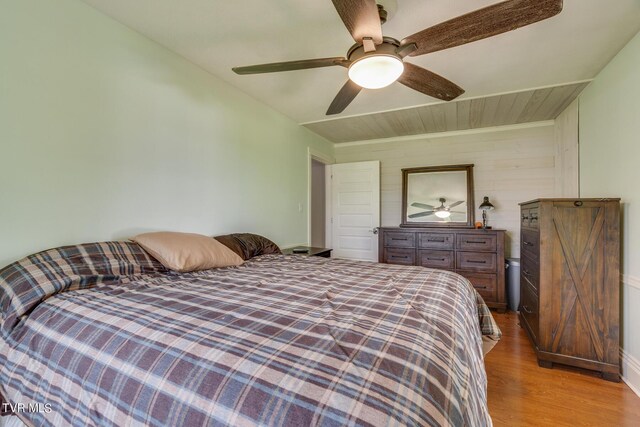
(311, 251)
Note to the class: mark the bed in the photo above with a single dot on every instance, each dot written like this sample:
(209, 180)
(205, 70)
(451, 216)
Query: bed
(102, 334)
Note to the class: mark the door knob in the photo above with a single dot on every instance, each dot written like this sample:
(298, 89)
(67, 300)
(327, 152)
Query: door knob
(374, 230)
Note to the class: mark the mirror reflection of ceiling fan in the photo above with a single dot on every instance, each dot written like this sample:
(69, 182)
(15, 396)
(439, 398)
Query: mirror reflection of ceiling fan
(442, 211)
(376, 61)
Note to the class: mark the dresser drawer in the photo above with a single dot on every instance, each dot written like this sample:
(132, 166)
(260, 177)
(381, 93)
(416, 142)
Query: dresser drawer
(476, 261)
(529, 308)
(403, 256)
(485, 284)
(477, 242)
(435, 240)
(399, 239)
(531, 242)
(530, 271)
(436, 259)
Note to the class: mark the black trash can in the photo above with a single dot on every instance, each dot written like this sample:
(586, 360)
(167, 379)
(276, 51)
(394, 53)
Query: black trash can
(513, 283)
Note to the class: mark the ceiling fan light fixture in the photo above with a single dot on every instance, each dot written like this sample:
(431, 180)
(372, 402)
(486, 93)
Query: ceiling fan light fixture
(442, 214)
(376, 71)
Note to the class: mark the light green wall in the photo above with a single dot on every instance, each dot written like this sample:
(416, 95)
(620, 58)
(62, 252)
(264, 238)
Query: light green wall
(104, 133)
(610, 167)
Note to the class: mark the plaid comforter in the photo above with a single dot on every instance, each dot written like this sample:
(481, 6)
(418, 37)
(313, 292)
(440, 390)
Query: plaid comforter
(103, 335)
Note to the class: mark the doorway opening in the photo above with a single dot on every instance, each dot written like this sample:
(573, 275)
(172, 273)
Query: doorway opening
(319, 199)
(318, 206)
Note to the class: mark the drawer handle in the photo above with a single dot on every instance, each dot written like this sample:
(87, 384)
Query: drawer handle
(534, 218)
(400, 257)
(436, 241)
(479, 287)
(526, 309)
(524, 218)
(436, 259)
(395, 238)
(473, 261)
(477, 242)
(527, 243)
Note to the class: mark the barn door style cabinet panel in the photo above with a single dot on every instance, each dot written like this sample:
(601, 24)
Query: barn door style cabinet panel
(570, 282)
(477, 255)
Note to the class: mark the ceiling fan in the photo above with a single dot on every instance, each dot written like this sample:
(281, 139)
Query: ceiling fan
(375, 61)
(441, 211)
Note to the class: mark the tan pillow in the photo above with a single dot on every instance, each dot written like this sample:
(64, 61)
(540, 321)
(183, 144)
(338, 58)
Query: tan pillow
(186, 252)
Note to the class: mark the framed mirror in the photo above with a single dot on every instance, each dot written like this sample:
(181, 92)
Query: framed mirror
(438, 196)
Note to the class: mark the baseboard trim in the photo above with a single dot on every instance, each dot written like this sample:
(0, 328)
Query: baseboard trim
(632, 281)
(630, 366)
(630, 371)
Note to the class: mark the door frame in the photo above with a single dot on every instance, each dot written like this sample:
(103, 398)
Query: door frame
(327, 160)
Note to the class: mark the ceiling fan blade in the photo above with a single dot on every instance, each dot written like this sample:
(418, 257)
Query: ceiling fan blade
(453, 205)
(291, 65)
(361, 19)
(421, 214)
(422, 205)
(417, 78)
(482, 23)
(344, 98)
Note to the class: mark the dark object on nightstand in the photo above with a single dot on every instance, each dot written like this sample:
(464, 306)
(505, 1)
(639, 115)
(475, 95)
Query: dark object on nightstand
(570, 282)
(308, 251)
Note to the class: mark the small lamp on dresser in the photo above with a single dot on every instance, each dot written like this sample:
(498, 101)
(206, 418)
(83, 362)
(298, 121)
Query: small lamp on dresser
(484, 207)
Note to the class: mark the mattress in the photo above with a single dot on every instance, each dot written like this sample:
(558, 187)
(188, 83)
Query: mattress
(103, 335)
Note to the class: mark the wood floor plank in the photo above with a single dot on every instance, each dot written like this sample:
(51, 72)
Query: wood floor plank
(521, 393)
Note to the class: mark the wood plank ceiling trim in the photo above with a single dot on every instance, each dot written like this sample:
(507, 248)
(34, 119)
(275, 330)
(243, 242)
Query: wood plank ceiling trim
(498, 110)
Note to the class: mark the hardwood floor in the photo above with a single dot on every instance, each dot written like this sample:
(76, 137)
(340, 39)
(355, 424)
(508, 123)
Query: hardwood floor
(523, 394)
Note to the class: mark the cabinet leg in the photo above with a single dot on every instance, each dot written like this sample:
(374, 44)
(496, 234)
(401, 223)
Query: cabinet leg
(611, 377)
(545, 364)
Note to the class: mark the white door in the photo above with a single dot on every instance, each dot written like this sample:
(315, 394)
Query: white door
(355, 210)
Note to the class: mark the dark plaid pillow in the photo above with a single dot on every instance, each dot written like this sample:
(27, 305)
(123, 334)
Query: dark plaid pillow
(25, 283)
(248, 245)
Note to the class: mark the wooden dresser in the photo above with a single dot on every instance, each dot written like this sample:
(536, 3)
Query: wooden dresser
(570, 281)
(477, 255)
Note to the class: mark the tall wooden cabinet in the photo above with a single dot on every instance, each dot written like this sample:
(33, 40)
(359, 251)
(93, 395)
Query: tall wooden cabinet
(570, 282)
(477, 255)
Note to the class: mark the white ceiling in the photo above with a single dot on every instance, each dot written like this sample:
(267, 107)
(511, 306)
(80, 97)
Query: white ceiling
(218, 35)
